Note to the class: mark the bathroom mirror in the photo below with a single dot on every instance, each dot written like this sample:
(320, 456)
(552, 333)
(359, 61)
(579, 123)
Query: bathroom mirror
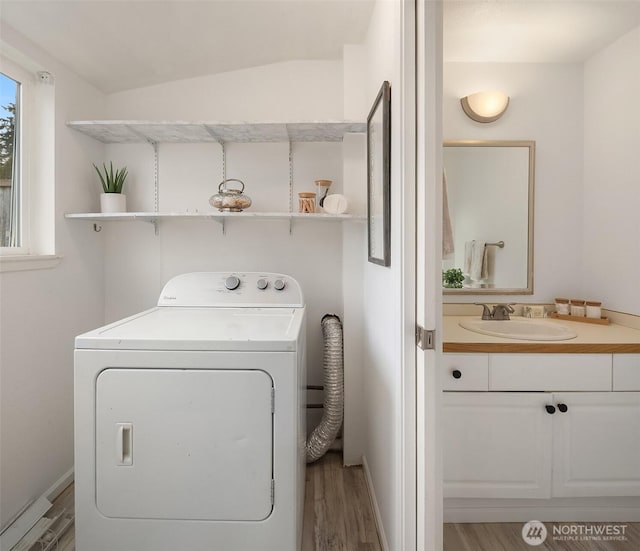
(489, 190)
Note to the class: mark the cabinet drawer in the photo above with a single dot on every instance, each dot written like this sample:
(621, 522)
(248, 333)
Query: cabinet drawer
(465, 372)
(626, 372)
(553, 372)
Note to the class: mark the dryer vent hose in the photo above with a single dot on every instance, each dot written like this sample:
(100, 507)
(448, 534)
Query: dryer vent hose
(325, 433)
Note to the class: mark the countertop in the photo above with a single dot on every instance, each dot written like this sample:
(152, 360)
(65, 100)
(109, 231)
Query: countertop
(591, 338)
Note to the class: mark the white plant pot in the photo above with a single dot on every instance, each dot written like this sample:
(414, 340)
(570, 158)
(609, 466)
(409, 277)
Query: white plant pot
(113, 202)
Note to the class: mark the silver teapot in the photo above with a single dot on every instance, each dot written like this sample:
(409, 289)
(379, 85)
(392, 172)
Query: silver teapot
(230, 199)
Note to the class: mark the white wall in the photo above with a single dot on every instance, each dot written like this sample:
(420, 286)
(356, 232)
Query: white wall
(382, 313)
(546, 106)
(42, 310)
(138, 262)
(289, 91)
(611, 224)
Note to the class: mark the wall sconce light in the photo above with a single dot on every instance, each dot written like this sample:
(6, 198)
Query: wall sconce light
(485, 106)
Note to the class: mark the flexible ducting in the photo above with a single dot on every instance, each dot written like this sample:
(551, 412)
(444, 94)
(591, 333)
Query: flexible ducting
(325, 433)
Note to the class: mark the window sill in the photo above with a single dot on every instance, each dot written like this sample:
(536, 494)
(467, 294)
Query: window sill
(20, 263)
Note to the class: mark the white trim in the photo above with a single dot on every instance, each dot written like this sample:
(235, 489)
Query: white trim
(37, 157)
(25, 520)
(407, 456)
(374, 505)
(429, 286)
(60, 485)
(20, 263)
(576, 513)
(22, 523)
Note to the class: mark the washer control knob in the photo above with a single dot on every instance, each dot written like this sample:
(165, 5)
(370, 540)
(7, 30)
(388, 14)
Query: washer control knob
(279, 284)
(232, 283)
(262, 284)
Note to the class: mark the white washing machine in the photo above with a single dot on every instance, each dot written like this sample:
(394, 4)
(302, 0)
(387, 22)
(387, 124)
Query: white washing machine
(190, 420)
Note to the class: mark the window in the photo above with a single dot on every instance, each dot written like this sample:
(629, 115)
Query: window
(10, 181)
(27, 165)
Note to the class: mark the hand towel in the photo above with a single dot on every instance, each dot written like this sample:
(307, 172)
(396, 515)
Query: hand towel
(475, 260)
(468, 251)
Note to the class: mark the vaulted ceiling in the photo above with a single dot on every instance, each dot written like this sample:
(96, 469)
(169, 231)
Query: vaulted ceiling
(118, 45)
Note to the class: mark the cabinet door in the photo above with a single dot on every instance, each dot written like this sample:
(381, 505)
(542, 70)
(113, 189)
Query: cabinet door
(497, 445)
(596, 444)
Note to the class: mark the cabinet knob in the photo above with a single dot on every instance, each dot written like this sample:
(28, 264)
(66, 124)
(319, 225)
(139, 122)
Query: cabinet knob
(550, 409)
(456, 374)
(563, 408)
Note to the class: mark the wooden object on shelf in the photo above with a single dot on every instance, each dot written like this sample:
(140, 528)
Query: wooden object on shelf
(306, 202)
(599, 321)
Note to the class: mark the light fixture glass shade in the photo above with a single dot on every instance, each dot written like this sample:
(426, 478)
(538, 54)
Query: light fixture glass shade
(485, 106)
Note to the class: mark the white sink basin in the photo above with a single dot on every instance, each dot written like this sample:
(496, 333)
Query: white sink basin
(524, 329)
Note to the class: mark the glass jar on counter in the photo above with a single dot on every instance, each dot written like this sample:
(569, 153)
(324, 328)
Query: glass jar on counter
(593, 309)
(577, 307)
(562, 306)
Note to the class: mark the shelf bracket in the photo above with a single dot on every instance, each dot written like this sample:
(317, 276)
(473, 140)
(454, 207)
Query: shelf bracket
(156, 178)
(224, 161)
(290, 187)
(154, 221)
(290, 178)
(156, 182)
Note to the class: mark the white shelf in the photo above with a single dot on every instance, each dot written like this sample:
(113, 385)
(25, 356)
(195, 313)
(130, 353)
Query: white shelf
(217, 132)
(218, 216)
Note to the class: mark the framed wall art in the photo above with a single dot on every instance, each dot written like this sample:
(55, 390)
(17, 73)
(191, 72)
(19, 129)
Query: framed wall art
(379, 177)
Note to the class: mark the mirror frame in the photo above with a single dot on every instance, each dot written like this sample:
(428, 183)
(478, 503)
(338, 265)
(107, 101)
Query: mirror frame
(531, 144)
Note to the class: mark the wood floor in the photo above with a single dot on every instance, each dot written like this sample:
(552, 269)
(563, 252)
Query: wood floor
(508, 537)
(337, 509)
(337, 517)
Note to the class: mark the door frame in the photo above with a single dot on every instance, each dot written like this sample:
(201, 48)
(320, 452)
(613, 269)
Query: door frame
(428, 282)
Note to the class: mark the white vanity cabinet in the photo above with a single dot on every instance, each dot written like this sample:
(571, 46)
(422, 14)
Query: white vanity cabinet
(496, 445)
(596, 444)
(531, 442)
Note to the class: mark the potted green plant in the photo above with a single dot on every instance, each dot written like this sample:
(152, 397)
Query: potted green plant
(452, 278)
(112, 198)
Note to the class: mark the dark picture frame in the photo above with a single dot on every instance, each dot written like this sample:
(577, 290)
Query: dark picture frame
(379, 178)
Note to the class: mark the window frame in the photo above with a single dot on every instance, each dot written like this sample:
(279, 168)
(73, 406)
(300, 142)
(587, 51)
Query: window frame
(38, 160)
(24, 112)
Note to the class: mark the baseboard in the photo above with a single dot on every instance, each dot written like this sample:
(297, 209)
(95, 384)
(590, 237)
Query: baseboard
(59, 485)
(374, 505)
(553, 510)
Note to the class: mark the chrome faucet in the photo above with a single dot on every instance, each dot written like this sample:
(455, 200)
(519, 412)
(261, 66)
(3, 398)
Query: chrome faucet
(499, 312)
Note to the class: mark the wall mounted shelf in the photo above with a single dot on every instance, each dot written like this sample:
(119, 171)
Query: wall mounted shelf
(217, 132)
(155, 132)
(220, 217)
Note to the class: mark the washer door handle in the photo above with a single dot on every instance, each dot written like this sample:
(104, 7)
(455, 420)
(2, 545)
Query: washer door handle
(124, 444)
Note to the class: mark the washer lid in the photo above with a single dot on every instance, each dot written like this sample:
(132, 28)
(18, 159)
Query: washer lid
(175, 328)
